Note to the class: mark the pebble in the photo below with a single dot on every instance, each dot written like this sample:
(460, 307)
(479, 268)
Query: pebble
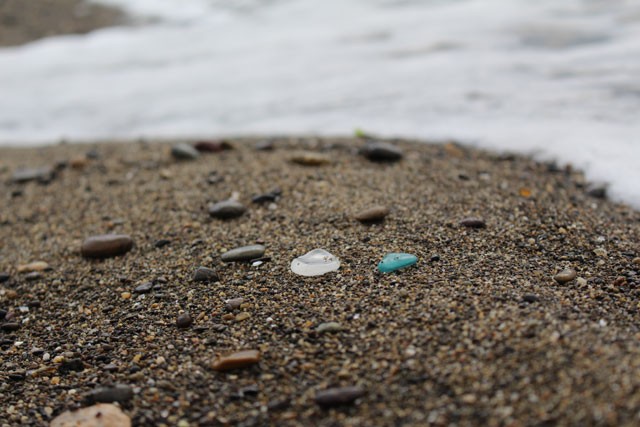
(315, 263)
(125, 295)
(10, 327)
(381, 152)
(530, 298)
(597, 190)
(242, 316)
(184, 152)
(329, 327)
(204, 274)
(106, 245)
(100, 415)
(34, 275)
(226, 209)
(118, 393)
(269, 197)
(373, 214)
(338, 396)
(212, 146)
(184, 321)
(244, 253)
(33, 266)
(473, 222)
(143, 288)
(565, 276)
(233, 304)
(264, 145)
(44, 175)
(241, 359)
(636, 261)
(3, 314)
(310, 158)
(4, 276)
(162, 243)
(78, 162)
(396, 261)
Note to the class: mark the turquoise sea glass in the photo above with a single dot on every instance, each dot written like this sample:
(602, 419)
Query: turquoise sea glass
(393, 262)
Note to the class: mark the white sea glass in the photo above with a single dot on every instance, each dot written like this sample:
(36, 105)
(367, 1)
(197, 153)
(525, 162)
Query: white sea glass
(315, 263)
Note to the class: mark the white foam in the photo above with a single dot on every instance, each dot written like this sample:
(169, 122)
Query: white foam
(557, 79)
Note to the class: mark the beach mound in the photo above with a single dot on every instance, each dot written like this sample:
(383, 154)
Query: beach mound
(522, 307)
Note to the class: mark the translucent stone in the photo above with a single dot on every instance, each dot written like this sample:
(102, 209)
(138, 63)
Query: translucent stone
(392, 262)
(315, 263)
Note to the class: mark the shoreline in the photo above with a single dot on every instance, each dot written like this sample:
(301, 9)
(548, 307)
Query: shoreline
(478, 332)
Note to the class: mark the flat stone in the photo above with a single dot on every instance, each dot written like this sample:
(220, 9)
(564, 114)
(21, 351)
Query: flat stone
(530, 298)
(329, 327)
(106, 245)
(597, 190)
(10, 327)
(100, 415)
(33, 266)
(143, 288)
(373, 214)
(565, 276)
(315, 263)
(241, 359)
(227, 209)
(161, 243)
(184, 321)
(34, 275)
(473, 222)
(338, 396)
(310, 158)
(269, 197)
(212, 146)
(118, 393)
(184, 152)
(381, 152)
(44, 174)
(244, 253)
(204, 274)
(4, 277)
(396, 261)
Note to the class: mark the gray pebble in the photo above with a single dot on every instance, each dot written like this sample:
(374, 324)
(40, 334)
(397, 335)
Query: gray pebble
(204, 274)
(338, 396)
(143, 288)
(44, 174)
(118, 393)
(226, 209)
(184, 152)
(565, 276)
(473, 222)
(233, 304)
(329, 327)
(245, 253)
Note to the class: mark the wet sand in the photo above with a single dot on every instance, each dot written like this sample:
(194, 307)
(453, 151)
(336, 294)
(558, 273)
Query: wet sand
(476, 333)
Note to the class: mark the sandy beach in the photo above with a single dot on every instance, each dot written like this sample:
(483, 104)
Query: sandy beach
(478, 332)
(522, 308)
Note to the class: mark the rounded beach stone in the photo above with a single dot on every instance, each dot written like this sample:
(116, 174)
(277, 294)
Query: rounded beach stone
(33, 266)
(212, 146)
(373, 214)
(310, 158)
(315, 263)
(226, 209)
(338, 396)
(184, 152)
(565, 276)
(204, 274)
(100, 415)
(473, 222)
(244, 253)
(184, 321)
(241, 359)
(329, 327)
(381, 152)
(118, 393)
(106, 245)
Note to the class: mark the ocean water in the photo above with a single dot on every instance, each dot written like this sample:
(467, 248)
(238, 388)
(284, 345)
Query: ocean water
(556, 79)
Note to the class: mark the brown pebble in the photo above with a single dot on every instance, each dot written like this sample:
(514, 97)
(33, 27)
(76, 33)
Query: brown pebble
(10, 327)
(212, 146)
(373, 214)
(338, 396)
(100, 415)
(636, 261)
(473, 222)
(78, 162)
(565, 276)
(184, 321)
(106, 245)
(33, 266)
(309, 158)
(241, 359)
